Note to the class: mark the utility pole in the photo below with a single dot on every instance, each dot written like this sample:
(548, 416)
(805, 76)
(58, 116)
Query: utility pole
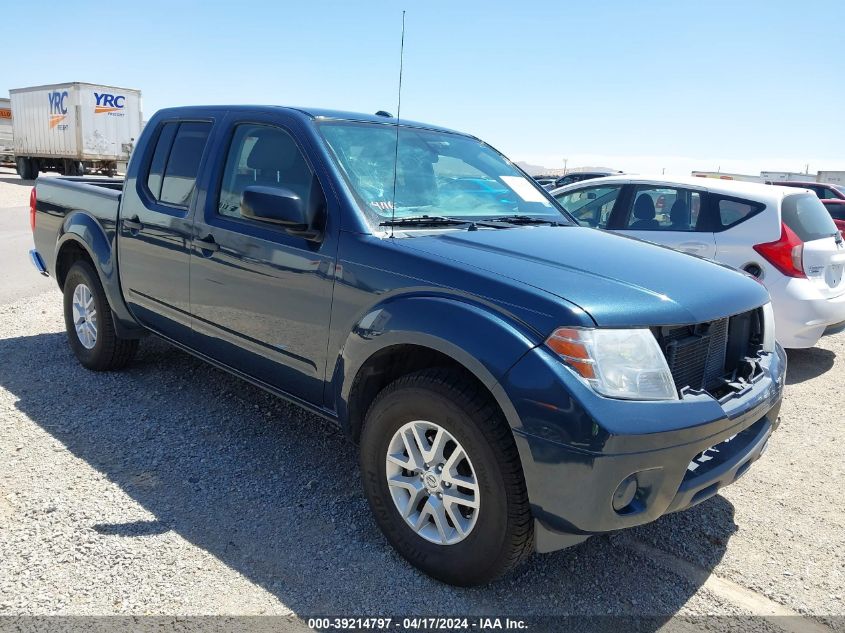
(565, 161)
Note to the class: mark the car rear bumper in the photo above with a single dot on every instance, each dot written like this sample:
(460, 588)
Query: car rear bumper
(802, 313)
(635, 462)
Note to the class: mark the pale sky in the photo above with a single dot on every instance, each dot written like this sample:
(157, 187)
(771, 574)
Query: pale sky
(741, 85)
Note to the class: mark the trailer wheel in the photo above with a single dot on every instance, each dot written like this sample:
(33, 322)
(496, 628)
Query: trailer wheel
(24, 167)
(71, 167)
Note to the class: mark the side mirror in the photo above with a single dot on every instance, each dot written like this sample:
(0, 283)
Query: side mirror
(591, 195)
(280, 206)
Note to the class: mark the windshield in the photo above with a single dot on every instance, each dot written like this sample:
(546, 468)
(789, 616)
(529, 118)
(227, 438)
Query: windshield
(438, 174)
(839, 188)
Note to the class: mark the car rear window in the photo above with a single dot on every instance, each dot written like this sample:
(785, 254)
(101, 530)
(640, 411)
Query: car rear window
(806, 216)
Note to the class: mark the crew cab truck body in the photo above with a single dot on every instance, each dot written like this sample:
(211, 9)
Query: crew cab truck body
(515, 382)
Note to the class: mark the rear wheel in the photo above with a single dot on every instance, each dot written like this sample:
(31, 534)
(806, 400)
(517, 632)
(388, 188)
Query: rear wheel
(443, 478)
(89, 324)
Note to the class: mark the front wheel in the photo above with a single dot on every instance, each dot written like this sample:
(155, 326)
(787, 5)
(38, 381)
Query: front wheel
(88, 320)
(443, 478)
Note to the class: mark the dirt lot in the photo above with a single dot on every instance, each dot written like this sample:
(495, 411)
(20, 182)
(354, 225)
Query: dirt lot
(173, 488)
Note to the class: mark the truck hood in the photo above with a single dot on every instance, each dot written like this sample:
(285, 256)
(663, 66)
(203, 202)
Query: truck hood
(619, 281)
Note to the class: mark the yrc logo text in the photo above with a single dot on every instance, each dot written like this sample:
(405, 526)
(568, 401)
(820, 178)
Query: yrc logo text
(58, 108)
(109, 104)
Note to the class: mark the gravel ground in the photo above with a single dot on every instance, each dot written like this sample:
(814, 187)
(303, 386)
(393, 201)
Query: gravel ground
(173, 488)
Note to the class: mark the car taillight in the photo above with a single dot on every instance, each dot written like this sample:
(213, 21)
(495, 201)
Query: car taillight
(32, 209)
(785, 254)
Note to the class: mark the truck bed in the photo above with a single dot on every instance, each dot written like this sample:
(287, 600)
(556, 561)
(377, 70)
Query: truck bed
(98, 197)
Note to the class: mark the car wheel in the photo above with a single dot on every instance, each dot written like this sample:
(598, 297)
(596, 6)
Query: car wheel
(443, 477)
(89, 324)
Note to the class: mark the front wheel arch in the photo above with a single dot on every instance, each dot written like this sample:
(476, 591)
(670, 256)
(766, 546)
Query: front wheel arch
(419, 332)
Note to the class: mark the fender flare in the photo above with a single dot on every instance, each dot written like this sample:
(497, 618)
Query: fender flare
(87, 233)
(482, 340)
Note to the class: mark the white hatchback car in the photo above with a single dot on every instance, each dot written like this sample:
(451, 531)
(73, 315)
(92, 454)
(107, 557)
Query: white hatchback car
(781, 235)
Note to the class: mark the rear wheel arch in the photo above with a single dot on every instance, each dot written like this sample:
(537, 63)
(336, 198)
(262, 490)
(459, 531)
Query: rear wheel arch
(73, 245)
(70, 252)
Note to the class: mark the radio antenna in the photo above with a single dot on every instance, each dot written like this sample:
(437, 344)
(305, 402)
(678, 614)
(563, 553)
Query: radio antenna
(398, 112)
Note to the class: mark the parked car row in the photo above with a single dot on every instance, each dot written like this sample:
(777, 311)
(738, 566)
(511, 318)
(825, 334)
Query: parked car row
(516, 382)
(781, 236)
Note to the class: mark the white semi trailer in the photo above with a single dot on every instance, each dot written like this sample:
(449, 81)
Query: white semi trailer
(6, 152)
(74, 128)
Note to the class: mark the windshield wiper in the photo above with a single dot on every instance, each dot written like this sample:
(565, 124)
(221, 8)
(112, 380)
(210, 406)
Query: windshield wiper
(522, 220)
(425, 220)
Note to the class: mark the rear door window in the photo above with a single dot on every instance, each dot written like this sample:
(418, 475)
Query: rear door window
(806, 216)
(663, 209)
(591, 206)
(180, 174)
(159, 160)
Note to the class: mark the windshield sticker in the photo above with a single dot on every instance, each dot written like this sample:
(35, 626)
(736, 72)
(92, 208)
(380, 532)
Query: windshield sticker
(384, 205)
(524, 189)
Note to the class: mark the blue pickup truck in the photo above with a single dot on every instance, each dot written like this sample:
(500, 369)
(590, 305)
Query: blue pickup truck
(515, 382)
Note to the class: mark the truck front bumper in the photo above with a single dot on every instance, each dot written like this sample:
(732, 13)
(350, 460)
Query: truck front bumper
(594, 465)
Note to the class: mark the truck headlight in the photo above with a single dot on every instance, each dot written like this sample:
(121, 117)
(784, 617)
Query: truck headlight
(768, 328)
(627, 364)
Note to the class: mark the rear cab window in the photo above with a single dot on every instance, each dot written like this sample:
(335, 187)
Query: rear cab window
(807, 217)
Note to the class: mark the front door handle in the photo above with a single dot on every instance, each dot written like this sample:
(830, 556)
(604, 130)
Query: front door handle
(207, 244)
(133, 225)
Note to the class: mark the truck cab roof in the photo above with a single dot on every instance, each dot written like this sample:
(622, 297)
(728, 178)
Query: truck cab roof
(310, 113)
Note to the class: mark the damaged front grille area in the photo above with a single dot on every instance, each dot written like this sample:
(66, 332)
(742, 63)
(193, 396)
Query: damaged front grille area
(716, 356)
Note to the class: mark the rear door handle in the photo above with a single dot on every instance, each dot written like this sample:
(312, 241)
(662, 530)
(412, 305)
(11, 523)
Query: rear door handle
(207, 244)
(694, 247)
(133, 224)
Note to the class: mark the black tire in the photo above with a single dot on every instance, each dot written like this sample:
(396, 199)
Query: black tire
(23, 166)
(503, 534)
(109, 350)
(72, 167)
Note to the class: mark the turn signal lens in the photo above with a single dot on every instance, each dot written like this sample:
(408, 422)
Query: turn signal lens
(626, 364)
(569, 346)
